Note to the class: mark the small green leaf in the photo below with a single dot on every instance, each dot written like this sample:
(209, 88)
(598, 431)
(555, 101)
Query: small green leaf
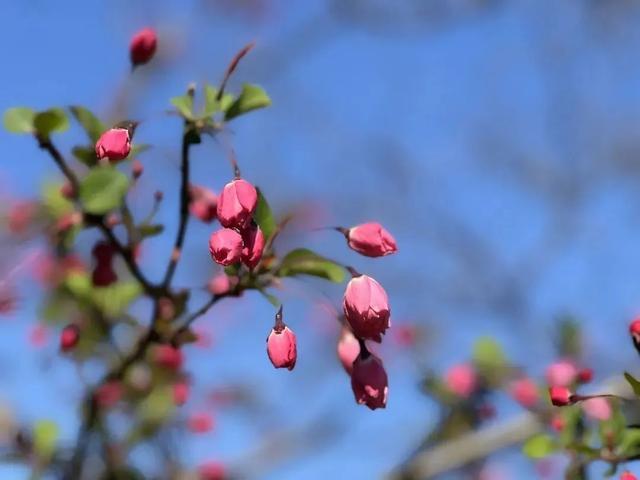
(45, 437)
(488, 354)
(635, 384)
(79, 284)
(539, 446)
(138, 149)
(305, 262)
(272, 299)
(630, 444)
(91, 124)
(50, 121)
(150, 230)
(54, 202)
(184, 105)
(19, 120)
(263, 216)
(158, 406)
(211, 103)
(115, 299)
(86, 155)
(251, 98)
(103, 189)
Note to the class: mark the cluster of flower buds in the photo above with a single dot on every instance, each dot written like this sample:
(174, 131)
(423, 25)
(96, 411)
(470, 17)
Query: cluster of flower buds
(367, 314)
(103, 273)
(241, 240)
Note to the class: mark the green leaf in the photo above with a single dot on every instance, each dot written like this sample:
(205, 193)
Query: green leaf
(305, 262)
(115, 299)
(138, 149)
(488, 354)
(50, 121)
(263, 216)
(79, 284)
(184, 105)
(19, 120)
(54, 202)
(150, 230)
(86, 155)
(539, 446)
(158, 406)
(45, 437)
(635, 384)
(103, 189)
(630, 443)
(251, 98)
(91, 124)
(272, 299)
(211, 103)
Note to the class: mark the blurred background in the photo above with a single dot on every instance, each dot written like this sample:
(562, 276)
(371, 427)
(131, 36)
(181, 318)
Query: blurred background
(497, 140)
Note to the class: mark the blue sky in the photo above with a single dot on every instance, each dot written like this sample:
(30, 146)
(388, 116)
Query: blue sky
(475, 135)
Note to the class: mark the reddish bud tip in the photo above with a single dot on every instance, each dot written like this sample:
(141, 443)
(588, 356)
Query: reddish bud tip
(69, 337)
(143, 46)
(371, 240)
(225, 246)
(114, 145)
(281, 348)
(560, 396)
(627, 475)
(366, 308)
(369, 381)
(557, 423)
(67, 191)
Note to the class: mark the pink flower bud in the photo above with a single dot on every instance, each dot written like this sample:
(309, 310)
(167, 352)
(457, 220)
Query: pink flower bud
(168, 357)
(558, 423)
(236, 204)
(562, 373)
(143, 46)
(597, 408)
(67, 191)
(203, 203)
(461, 379)
(137, 169)
(108, 394)
(348, 349)
(369, 381)
(253, 240)
(371, 240)
(585, 375)
(180, 393)
(225, 246)
(200, 422)
(634, 330)
(627, 475)
(281, 348)
(20, 216)
(211, 471)
(525, 392)
(69, 337)
(560, 396)
(114, 144)
(222, 284)
(103, 275)
(38, 336)
(366, 308)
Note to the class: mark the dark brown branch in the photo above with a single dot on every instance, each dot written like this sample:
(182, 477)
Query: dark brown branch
(176, 252)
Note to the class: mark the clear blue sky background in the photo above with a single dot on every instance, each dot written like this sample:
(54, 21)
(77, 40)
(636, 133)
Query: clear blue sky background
(496, 144)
